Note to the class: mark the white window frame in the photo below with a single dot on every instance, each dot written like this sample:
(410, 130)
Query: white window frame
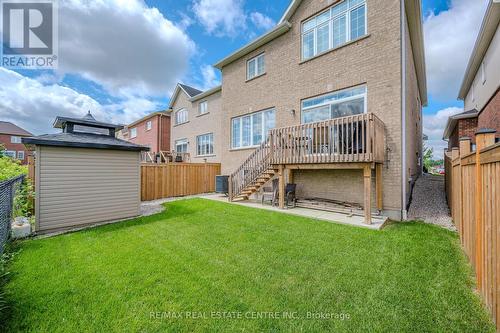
(337, 101)
(240, 119)
(133, 132)
(332, 18)
(149, 125)
(15, 139)
(181, 121)
(182, 142)
(10, 153)
(20, 155)
(255, 71)
(208, 142)
(203, 107)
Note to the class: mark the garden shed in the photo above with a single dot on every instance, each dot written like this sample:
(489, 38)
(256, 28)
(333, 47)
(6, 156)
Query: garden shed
(84, 175)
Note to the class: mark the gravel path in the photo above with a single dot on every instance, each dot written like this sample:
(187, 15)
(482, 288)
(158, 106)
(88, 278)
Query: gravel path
(429, 202)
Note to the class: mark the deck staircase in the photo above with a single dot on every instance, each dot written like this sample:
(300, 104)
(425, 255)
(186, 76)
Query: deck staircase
(352, 139)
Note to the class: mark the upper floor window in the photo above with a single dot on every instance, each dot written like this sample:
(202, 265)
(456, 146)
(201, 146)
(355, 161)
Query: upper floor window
(133, 132)
(205, 144)
(256, 66)
(337, 25)
(149, 125)
(203, 107)
(342, 103)
(15, 139)
(181, 116)
(250, 130)
(181, 146)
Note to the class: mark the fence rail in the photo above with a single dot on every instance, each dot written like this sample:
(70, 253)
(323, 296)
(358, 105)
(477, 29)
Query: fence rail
(473, 191)
(7, 192)
(177, 179)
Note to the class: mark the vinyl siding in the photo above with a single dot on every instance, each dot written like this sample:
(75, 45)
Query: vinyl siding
(77, 186)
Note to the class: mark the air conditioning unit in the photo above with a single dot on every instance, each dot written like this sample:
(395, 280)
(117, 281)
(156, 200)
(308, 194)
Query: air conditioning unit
(222, 184)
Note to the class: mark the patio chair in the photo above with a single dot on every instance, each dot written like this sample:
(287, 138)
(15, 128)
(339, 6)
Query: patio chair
(270, 193)
(290, 199)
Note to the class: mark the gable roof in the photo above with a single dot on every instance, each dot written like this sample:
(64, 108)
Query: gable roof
(151, 115)
(486, 33)
(192, 93)
(453, 120)
(9, 128)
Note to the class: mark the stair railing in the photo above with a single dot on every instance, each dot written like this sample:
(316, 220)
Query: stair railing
(258, 162)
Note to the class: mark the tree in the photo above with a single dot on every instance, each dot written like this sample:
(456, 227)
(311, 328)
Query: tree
(428, 161)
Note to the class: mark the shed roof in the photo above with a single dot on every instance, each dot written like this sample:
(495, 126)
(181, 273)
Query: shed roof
(88, 120)
(83, 140)
(7, 127)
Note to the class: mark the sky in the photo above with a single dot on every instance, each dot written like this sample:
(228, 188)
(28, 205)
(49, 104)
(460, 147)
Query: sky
(122, 59)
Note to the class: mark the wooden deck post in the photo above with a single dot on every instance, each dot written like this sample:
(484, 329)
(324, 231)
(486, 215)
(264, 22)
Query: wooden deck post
(281, 186)
(367, 175)
(484, 138)
(230, 188)
(378, 186)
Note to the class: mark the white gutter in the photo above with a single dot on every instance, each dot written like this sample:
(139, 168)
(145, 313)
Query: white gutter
(403, 110)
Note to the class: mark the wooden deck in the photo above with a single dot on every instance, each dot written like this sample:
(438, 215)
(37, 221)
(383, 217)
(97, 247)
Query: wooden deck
(353, 142)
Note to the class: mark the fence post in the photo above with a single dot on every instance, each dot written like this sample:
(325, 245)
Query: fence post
(465, 148)
(484, 138)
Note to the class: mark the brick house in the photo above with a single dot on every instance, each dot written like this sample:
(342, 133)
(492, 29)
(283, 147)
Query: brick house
(152, 131)
(480, 89)
(329, 99)
(10, 138)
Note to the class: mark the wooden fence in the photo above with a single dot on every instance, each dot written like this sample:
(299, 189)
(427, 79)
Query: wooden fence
(177, 179)
(473, 191)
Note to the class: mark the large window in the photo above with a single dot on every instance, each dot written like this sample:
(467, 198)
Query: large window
(10, 153)
(256, 66)
(342, 103)
(252, 129)
(181, 116)
(205, 144)
(203, 107)
(338, 25)
(181, 146)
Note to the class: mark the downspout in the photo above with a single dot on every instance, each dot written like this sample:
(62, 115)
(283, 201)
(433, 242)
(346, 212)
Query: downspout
(403, 111)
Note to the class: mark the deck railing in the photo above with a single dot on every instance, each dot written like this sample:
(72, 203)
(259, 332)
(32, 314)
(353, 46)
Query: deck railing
(358, 138)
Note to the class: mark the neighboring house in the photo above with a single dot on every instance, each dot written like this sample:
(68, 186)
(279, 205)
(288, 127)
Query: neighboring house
(152, 131)
(196, 123)
(480, 88)
(10, 138)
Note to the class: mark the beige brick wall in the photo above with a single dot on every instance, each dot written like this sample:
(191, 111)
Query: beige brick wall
(198, 125)
(374, 61)
(413, 120)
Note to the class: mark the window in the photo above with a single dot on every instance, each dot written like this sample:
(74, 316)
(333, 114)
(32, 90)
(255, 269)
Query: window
(251, 130)
(203, 107)
(338, 104)
(133, 132)
(149, 125)
(483, 73)
(15, 139)
(256, 66)
(181, 146)
(205, 144)
(20, 155)
(10, 153)
(181, 116)
(338, 25)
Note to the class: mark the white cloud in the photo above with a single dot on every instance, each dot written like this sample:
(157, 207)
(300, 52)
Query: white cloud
(221, 17)
(434, 127)
(449, 39)
(33, 105)
(124, 46)
(262, 21)
(210, 78)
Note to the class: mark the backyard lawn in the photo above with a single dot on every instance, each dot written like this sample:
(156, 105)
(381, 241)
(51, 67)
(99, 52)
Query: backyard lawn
(209, 266)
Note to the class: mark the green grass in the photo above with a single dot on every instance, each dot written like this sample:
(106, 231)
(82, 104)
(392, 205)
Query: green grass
(201, 257)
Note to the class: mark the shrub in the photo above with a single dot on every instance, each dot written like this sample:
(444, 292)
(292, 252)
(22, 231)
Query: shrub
(23, 203)
(10, 168)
